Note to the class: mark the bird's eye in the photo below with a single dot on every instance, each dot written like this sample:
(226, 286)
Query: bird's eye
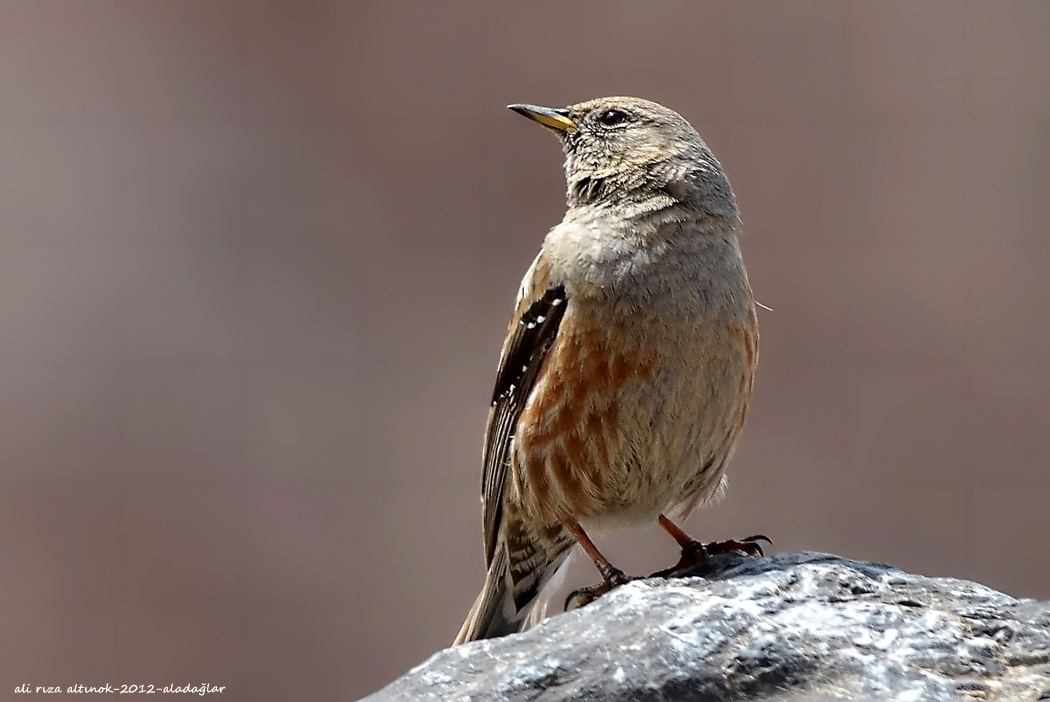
(611, 118)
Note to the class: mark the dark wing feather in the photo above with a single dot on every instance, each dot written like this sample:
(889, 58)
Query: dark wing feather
(523, 354)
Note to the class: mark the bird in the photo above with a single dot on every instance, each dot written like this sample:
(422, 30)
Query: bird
(625, 377)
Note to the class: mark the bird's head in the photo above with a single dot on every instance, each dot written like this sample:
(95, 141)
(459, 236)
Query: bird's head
(619, 148)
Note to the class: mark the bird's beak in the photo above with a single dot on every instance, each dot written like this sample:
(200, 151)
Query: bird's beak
(556, 119)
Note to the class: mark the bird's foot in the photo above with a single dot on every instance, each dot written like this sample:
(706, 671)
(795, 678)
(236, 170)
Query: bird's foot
(695, 552)
(612, 578)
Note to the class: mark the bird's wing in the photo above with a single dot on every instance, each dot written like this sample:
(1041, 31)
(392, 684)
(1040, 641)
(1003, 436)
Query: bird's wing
(541, 306)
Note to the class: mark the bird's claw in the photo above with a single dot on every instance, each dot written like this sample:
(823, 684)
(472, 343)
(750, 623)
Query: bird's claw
(749, 545)
(585, 595)
(696, 552)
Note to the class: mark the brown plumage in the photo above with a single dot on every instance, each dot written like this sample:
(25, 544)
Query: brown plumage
(625, 377)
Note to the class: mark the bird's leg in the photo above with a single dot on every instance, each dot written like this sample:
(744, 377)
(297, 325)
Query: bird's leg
(611, 575)
(695, 552)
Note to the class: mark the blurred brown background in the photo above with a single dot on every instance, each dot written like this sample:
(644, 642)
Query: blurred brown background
(257, 259)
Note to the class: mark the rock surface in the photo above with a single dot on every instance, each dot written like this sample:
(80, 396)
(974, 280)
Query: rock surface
(796, 626)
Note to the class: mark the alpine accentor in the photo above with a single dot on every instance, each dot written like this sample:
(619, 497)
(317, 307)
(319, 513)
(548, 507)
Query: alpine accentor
(625, 376)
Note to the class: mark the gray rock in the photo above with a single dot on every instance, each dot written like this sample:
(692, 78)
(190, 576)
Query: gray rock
(796, 626)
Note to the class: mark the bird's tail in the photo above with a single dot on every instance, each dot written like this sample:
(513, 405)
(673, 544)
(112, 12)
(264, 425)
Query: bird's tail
(495, 613)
